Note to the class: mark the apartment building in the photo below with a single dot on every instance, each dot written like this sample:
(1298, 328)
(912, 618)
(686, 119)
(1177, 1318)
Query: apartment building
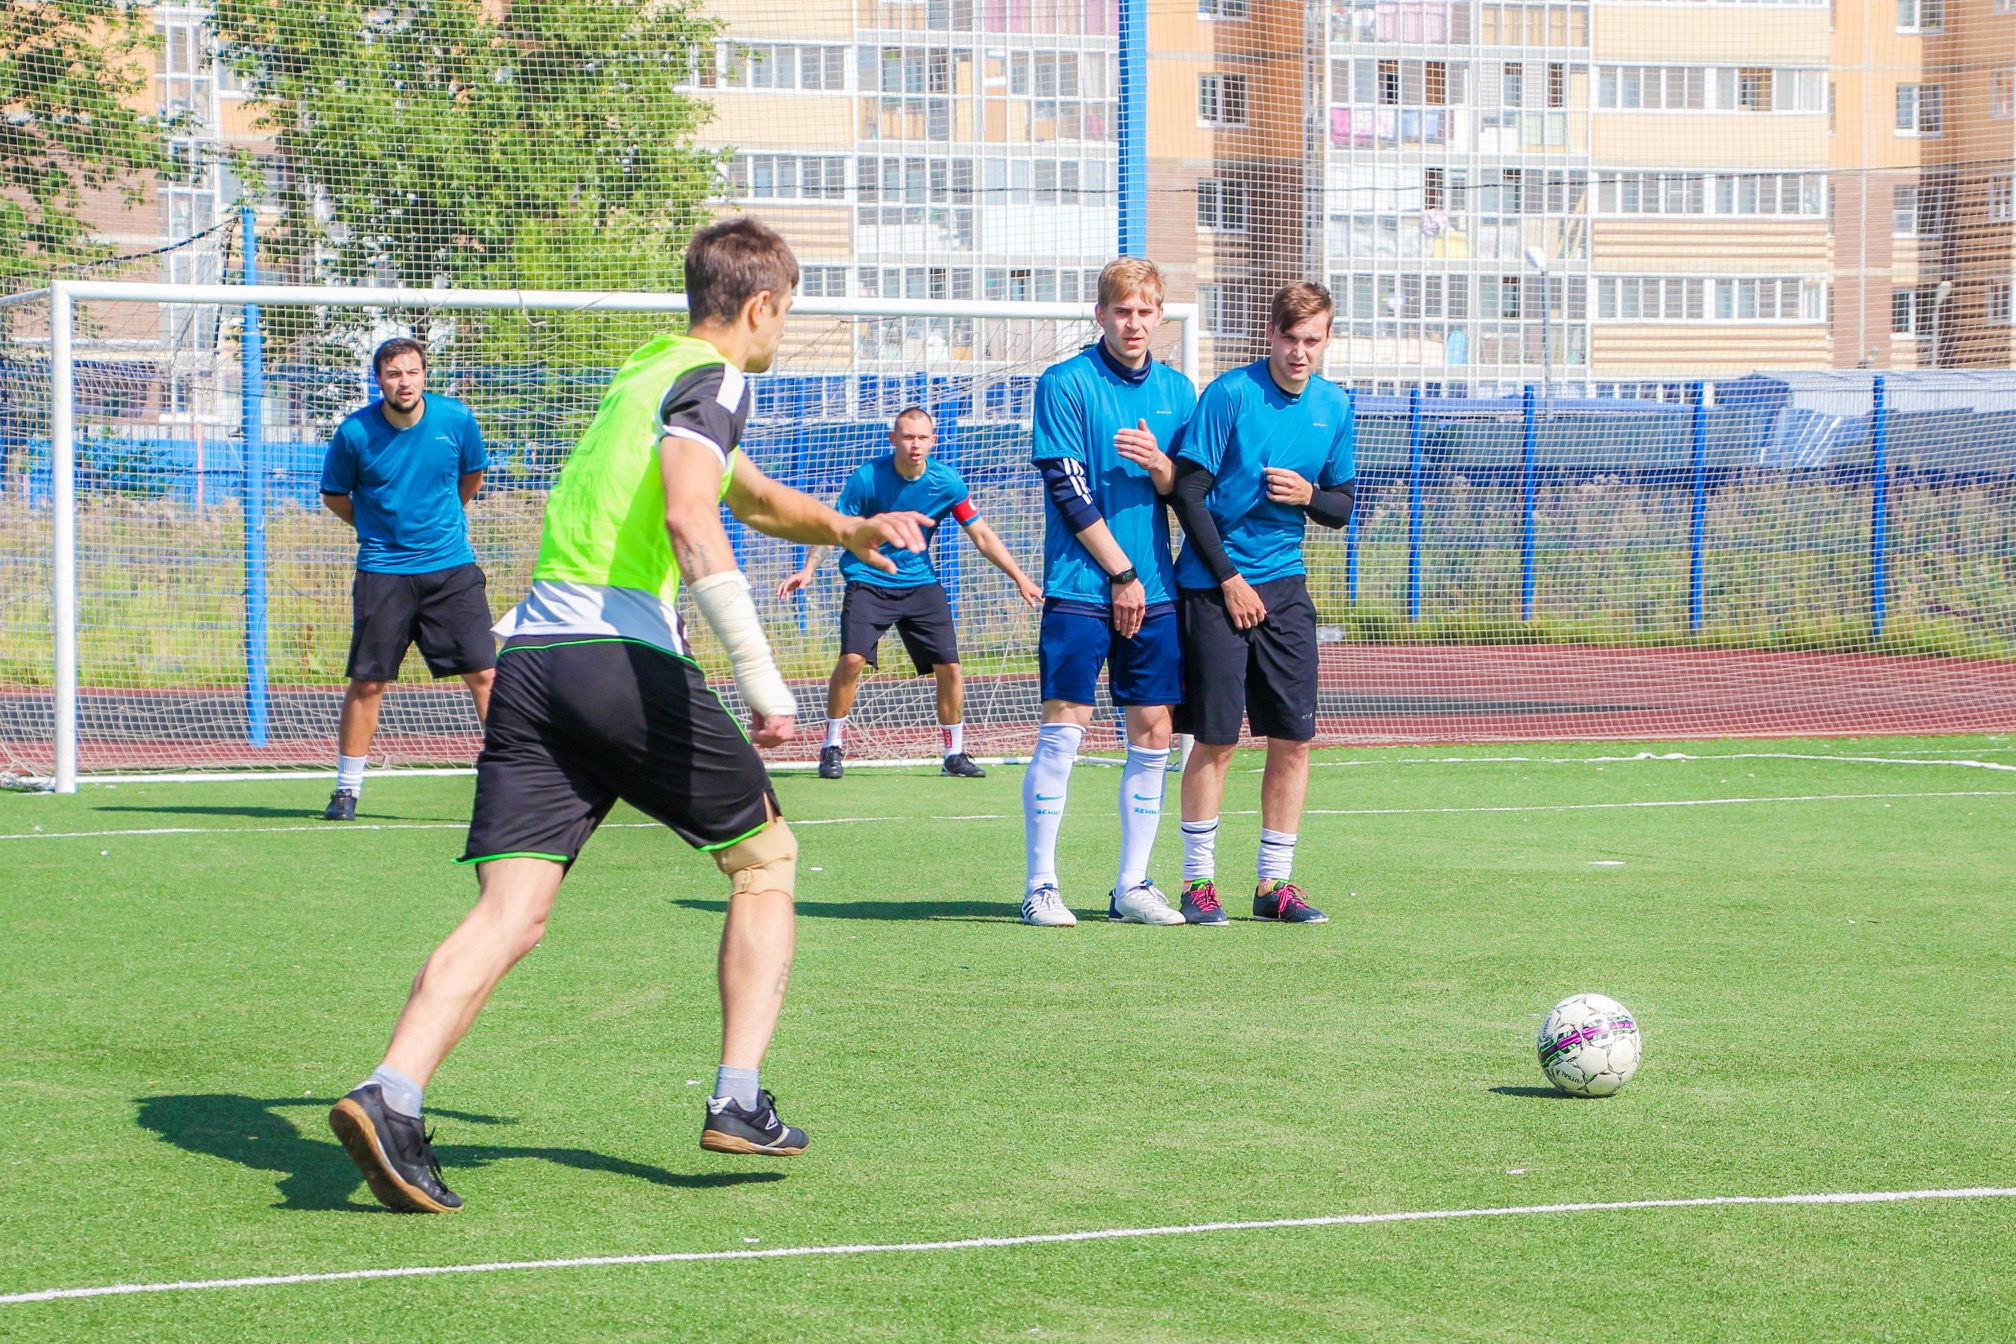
(1597, 196)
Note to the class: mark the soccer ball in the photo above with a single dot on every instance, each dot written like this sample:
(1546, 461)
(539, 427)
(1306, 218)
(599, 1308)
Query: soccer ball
(1589, 1046)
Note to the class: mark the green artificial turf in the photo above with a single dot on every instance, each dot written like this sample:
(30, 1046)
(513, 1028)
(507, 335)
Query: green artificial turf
(1827, 990)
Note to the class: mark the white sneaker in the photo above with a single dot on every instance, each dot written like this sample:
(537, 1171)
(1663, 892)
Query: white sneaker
(1142, 903)
(1045, 908)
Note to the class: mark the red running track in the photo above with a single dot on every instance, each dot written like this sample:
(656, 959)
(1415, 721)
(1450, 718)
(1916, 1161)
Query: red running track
(1370, 695)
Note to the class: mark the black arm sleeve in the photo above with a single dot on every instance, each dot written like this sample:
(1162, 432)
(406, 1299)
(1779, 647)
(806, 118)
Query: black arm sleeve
(1332, 507)
(1193, 483)
(1064, 478)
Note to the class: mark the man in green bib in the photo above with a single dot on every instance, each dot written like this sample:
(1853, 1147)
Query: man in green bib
(598, 698)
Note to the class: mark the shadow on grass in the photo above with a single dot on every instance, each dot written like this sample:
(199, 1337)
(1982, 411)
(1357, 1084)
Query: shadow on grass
(975, 912)
(1539, 1093)
(264, 813)
(316, 1174)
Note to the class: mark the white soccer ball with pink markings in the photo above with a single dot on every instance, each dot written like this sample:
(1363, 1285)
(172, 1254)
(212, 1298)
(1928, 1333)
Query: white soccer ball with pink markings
(1589, 1046)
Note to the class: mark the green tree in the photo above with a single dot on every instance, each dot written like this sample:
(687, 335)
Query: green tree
(539, 144)
(70, 74)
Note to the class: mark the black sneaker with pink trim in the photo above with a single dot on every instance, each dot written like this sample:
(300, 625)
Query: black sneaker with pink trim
(1283, 901)
(1201, 904)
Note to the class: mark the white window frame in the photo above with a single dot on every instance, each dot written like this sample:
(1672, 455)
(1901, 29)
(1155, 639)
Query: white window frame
(1710, 300)
(1921, 16)
(2002, 198)
(2001, 303)
(1224, 205)
(1217, 94)
(2002, 93)
(1914, 96)
(1224, 11)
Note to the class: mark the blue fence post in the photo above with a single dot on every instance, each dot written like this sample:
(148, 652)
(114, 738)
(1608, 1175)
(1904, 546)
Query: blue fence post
(1414, 504)
(1529, 499)
(1133, 128)
(801, 442)
(252, 414)
(1879, 508)
(1697, 526)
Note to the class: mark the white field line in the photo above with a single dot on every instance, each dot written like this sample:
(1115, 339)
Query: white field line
(452, 771)
(995, 1243)
(1663, 756)
(326, 828)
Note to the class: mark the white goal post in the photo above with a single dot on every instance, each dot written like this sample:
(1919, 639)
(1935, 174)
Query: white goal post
(156, 383)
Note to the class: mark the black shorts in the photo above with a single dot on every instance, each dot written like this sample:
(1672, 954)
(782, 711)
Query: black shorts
(1266, 674)
(921, 616)
(577, 722)
(447, 611)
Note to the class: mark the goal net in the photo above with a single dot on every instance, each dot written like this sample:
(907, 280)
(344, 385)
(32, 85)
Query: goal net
(178, 598)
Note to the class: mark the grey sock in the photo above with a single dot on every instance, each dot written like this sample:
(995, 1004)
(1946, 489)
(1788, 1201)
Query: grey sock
(738, 1085)
(402, 1094)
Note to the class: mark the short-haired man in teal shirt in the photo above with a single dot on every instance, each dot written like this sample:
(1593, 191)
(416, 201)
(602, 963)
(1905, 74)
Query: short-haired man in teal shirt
(400, 471)
(907, 479)
(1271, 446)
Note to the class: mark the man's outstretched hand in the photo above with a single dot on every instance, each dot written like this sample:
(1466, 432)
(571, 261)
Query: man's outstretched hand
(905, 531)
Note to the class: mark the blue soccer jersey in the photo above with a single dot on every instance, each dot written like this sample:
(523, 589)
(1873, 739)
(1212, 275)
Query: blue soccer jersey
(1244, 424)
(877, 487)
(1080, 404)
(405, 485)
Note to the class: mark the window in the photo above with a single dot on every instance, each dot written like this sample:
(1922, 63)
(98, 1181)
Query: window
(1686, 298)
(1224, 310)
(1707, 194)
(1499, 296)
(1693, 88)
(1916, 16)
(1221, 100)
(822, 282)
(2002, 94)
(1557, 85)
(1512, 85)
(788, 177)
(1221, 206)
(2000, 303)
(1920, 109)
(1221, 9)
(1753, 90)
(2002, 199)
(770, 65)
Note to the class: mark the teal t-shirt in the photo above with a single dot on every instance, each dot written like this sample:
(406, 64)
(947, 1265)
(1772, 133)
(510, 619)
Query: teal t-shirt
(406, 485)
(1080, 403)
(1244, 424)
(877, 487)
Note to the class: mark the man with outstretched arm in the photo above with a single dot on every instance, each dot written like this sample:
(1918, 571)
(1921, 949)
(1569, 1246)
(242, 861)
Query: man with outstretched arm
(907, 479)
(1272, 446)
(1102, 418)
(598, 698)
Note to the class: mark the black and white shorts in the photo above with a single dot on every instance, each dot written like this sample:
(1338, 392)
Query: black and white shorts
(446, 611)
(921, 615)
(579, 721)
(1266, 675)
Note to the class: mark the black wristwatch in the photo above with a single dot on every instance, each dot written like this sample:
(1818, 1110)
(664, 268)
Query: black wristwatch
(1123, 578)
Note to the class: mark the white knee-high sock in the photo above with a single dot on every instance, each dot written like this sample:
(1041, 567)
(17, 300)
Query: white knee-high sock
(350, 773)
(1043, 790)
(1200, 850)
(1140, 811)
(1277, 855)
(836, 732)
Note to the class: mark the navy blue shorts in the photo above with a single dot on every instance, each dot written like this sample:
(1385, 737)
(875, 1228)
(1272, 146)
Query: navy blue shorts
(1144, 670)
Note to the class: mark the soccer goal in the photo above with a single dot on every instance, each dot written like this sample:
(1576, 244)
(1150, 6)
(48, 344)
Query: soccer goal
(176, 597)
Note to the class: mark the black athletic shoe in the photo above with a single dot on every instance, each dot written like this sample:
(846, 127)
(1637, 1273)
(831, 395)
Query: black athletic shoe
(730, 1129)
(1283, 901)
(962, 767)
(395, 1152)
(829, 763)
(342, 806)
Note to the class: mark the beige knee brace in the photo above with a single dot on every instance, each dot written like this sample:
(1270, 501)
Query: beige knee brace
(765, 861)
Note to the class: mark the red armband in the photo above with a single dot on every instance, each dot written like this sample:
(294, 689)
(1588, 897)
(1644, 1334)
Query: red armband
(965, 511)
